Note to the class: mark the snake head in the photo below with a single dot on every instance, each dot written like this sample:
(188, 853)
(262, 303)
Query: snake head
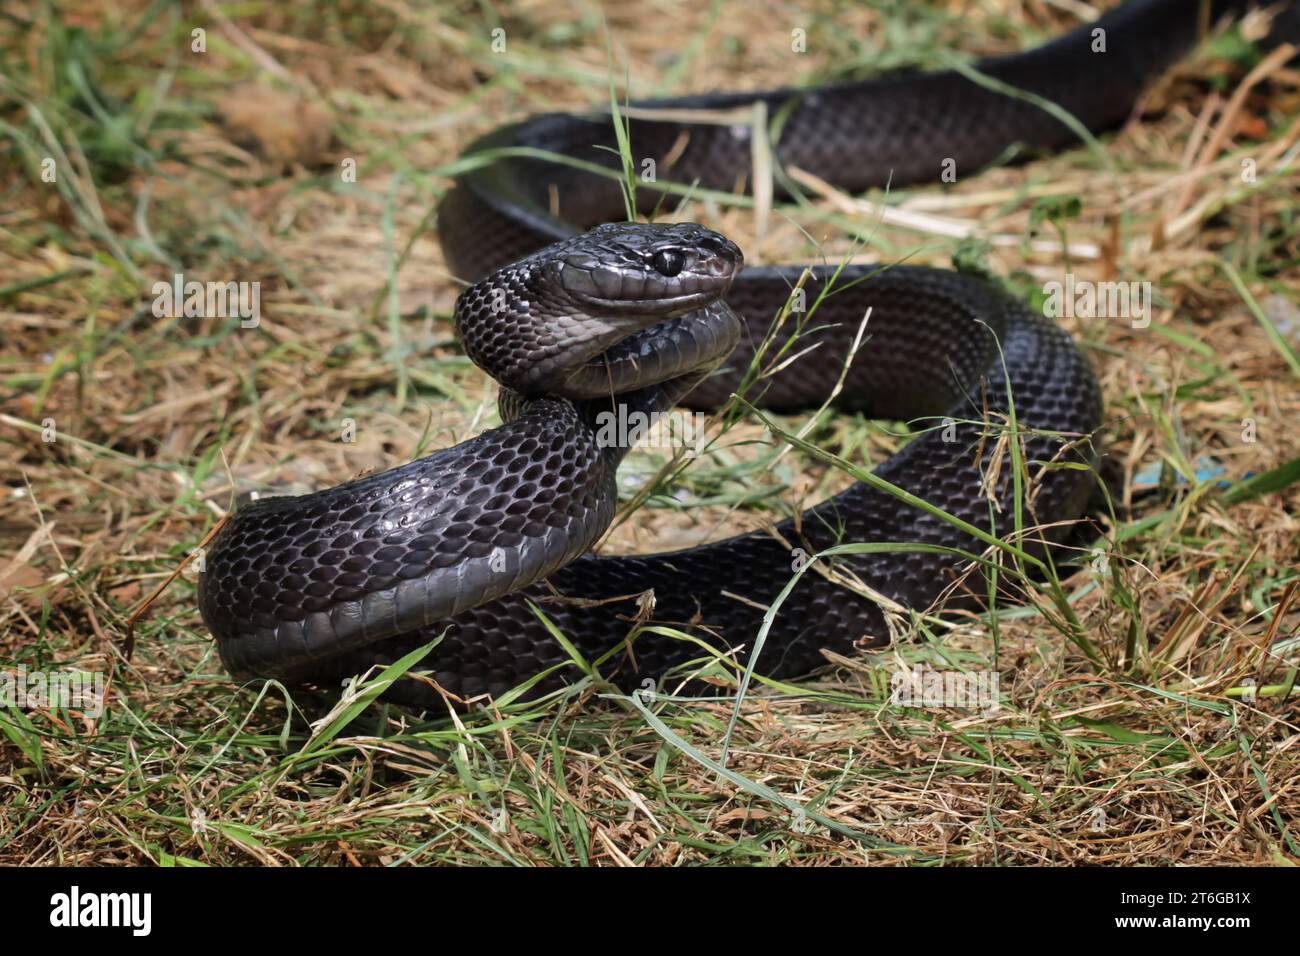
(647, 269)
(533, 325)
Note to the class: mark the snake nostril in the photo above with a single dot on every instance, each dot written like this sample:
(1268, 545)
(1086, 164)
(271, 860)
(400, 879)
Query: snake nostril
(721, 266)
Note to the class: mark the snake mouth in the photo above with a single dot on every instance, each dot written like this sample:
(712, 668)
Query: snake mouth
(656, 306)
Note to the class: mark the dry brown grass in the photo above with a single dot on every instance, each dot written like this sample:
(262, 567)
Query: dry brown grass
(226, 164)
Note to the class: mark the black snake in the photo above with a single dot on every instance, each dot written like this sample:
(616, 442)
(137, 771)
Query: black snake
(472, 541)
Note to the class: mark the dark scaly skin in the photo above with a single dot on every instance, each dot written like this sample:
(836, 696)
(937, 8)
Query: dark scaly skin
(325, 585)
(893, 130)
(290, 581)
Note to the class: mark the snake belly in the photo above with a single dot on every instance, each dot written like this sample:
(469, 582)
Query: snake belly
(468, 544)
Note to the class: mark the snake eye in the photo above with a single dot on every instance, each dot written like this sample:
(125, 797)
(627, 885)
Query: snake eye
(668, 262)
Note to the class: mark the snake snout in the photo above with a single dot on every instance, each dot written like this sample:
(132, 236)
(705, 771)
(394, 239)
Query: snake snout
(652, 270)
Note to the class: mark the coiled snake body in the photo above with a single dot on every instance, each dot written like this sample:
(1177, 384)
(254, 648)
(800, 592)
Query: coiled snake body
(472, 540)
